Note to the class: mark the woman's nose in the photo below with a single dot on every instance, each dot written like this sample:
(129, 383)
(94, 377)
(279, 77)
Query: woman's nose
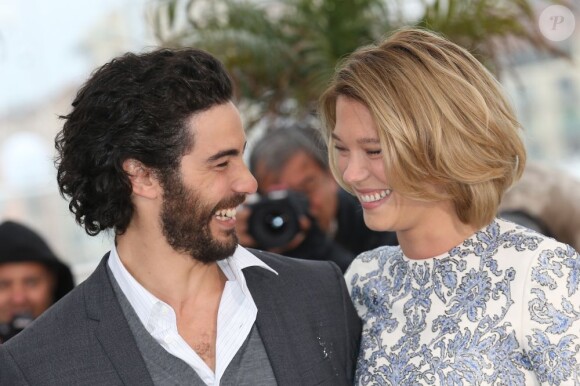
(355, 170)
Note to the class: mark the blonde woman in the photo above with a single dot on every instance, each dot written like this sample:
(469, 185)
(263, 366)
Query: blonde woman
(421, 133)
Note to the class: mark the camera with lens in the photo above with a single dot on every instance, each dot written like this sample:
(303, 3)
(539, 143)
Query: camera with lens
(13, 327)
(274, 219)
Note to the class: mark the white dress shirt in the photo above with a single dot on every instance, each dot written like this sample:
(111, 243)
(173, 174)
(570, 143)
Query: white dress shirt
(236, 314)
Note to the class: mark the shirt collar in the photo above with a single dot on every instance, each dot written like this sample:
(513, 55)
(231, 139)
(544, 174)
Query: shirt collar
(144, 301)
(242, 258)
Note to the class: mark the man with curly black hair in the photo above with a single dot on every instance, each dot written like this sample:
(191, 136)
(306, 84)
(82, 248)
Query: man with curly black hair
(153, 150)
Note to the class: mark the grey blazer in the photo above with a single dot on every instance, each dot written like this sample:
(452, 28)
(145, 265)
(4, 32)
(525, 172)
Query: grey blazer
(306, 320)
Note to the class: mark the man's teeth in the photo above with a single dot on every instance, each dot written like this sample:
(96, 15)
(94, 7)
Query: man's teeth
(375, 196)
(226, 214)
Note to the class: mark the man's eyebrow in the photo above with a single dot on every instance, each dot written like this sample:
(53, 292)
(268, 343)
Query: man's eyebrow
(225, 153)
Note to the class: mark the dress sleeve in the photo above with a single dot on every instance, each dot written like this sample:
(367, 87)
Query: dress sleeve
(551, 316)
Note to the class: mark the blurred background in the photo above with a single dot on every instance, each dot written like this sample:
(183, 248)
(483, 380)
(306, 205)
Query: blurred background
(280, 54)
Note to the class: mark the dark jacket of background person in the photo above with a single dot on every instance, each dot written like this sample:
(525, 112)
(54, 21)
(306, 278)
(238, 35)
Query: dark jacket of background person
(19, 243)
(351, 238)
(547, 200)
(95, 345)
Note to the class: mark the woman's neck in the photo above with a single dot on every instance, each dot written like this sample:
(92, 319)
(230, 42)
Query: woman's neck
(436, 235)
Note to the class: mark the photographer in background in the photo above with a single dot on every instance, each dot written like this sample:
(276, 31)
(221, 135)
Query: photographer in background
(301, 211)
(31, 278)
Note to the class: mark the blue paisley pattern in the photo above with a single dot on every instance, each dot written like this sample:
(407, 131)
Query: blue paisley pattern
(503, 308)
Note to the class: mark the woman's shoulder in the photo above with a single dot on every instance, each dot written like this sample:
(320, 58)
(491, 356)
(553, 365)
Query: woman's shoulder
(529, 238)
(534, 252)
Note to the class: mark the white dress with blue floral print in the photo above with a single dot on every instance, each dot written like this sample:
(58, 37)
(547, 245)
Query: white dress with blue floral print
(503, 308)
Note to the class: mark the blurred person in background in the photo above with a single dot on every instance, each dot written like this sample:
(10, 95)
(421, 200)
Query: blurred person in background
(32, 278)
(318, 219)
(547, 200)
(423, 134)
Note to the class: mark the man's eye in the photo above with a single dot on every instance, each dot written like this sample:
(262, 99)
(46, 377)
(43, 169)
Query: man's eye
(31, 283)
(223, 164)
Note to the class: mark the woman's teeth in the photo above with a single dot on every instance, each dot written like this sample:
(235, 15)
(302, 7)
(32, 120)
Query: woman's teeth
(226, 214)
(375, 196)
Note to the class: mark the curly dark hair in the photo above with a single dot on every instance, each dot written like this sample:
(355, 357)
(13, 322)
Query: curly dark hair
(134, 107)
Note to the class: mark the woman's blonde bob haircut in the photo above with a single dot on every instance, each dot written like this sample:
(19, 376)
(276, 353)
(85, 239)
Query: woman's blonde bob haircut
(446, 129)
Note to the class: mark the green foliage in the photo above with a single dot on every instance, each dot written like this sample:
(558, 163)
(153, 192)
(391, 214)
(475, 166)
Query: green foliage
(281, 53)
(488, 28)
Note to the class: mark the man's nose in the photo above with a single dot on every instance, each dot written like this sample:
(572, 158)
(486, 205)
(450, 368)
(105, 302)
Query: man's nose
(18, 295)
(245, 182)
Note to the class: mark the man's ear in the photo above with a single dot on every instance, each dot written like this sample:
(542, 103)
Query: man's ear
(143, 180)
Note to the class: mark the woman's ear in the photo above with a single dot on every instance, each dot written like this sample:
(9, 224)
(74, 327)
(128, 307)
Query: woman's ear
(143, 180)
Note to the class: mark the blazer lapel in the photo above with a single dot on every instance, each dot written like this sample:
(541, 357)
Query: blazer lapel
(273, 324)
(112, 329)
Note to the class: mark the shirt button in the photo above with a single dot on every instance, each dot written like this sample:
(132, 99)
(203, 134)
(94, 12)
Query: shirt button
(168, 339)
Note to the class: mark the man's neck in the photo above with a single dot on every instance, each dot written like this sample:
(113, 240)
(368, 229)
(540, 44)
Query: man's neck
(172, 277)
(193, 289)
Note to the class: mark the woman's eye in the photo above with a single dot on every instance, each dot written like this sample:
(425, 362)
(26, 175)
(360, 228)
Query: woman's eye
(340, 148)
(374, 152)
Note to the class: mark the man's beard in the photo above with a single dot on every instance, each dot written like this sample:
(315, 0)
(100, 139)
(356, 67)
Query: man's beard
(185, 220)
